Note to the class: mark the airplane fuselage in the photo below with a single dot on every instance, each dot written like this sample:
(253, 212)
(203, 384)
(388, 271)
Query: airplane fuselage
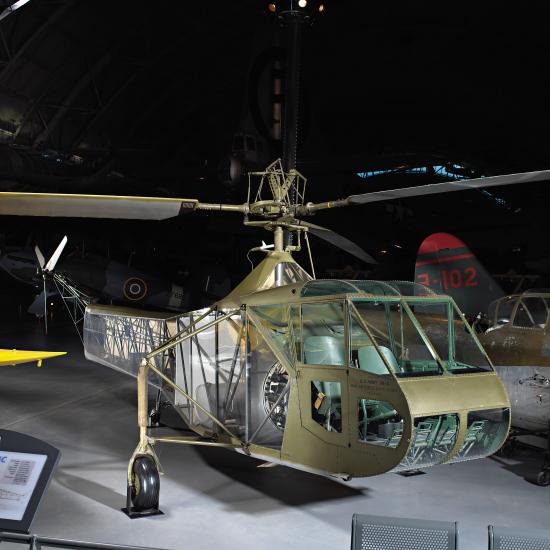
(102, 277)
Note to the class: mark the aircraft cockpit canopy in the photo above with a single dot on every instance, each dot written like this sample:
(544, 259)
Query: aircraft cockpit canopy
(413, 334)
(527, 310)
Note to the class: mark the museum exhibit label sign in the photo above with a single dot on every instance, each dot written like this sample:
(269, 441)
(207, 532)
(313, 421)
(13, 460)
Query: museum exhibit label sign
(26, 468)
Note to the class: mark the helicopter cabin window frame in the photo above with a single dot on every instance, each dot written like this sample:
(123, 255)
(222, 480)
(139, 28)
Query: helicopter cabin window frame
(387, 361)
(448, 359)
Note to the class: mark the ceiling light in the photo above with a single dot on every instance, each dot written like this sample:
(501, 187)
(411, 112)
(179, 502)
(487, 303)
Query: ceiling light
(302, 3)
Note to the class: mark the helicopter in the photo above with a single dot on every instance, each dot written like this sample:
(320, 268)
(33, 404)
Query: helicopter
(335, 377)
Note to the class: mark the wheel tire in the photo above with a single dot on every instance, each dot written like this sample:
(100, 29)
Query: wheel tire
(543, 478)
(145, 484)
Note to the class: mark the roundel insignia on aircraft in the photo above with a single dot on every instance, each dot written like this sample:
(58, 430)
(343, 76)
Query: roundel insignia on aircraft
(134, 289)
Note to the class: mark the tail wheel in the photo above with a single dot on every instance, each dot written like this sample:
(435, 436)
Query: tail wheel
(145, 483)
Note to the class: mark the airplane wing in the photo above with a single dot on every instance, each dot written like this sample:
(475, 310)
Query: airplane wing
(15, 357)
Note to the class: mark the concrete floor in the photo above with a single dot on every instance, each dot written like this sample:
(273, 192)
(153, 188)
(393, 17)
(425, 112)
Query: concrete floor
(213, 498)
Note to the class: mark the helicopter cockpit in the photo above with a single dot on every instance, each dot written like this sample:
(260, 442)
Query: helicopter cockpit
(395, 331)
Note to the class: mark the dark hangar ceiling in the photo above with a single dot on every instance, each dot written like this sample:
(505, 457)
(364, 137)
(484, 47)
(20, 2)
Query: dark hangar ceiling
(161, 85)
(150, 93)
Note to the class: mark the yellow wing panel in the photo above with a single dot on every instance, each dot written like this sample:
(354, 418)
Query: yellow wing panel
(14, 357)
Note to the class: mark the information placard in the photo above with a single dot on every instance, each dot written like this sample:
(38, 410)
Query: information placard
(19, 474)
(26, 467)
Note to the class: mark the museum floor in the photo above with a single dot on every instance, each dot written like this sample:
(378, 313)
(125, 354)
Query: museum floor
(213, 498)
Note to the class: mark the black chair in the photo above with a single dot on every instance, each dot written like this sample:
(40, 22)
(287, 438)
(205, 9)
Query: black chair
(509, 538)
(384, 533)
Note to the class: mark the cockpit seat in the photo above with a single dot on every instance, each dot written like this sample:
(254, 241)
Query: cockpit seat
(324, 350)
(370, 360)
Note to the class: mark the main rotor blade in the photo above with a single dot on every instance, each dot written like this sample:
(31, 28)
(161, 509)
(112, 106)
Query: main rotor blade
(338, 240)
(449, 186)
(93, 206)
(50, 266)
(430, 189)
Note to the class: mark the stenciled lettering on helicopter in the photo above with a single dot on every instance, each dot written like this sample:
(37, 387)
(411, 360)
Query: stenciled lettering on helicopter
(508, 343)
(386, 385)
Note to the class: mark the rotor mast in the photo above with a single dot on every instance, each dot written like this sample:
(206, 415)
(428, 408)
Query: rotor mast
(293, 15)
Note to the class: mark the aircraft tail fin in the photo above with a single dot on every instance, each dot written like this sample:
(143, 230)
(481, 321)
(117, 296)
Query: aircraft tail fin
(447, 266)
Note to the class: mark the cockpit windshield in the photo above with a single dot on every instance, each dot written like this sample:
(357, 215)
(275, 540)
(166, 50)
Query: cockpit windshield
(413, 337)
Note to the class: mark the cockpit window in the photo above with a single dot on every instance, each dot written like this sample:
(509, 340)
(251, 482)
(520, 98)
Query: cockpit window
(326, 404)
(453, 339)
(323, 334)
(401, 347)
(273, 321)
(500, 311)
(413, 337)
(532, 312)
(379, 423)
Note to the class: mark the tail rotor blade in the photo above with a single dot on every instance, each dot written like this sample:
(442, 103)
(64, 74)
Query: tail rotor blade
(339, 241)
(50, 266)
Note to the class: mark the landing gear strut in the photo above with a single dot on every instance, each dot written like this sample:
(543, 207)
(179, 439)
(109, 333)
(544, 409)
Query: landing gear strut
(143, 487)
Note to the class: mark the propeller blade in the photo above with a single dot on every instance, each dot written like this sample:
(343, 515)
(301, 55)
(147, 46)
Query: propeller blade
(50, 266)
(39, 257)
(449, 186)
(338, 240)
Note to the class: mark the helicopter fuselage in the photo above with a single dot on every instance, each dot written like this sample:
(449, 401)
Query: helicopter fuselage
(345, 378)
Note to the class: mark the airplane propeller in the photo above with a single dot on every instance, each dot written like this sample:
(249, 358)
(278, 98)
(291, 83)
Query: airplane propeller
(46, 269)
